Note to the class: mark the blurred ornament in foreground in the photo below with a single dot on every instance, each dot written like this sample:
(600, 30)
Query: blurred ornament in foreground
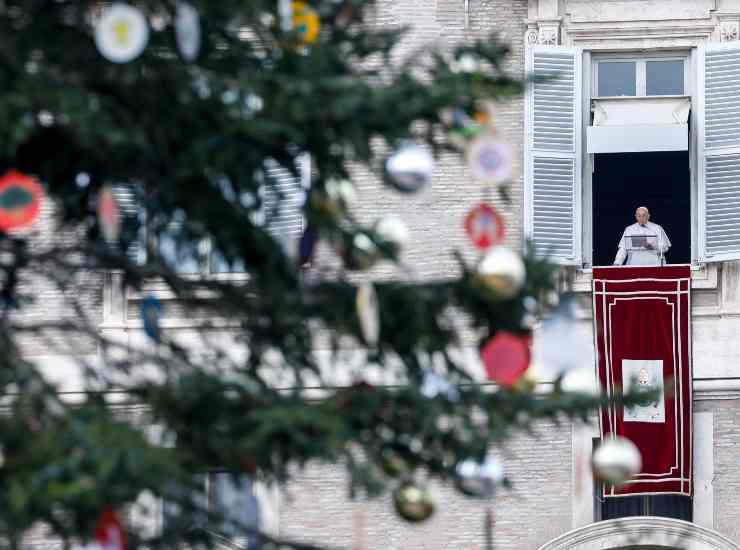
(187, 31)
(479, 480)
(109, 214)
(121, 33)
(20, 200)
(489, 159)
(394, 231)
(307, 245)
(151, 312)
(413, 502)
(409, 169)
(306, 23)
(433, 385)
(559, 342)
(581, 380)
(506, 357)
(616, 460)
(368, 313)
(502, 271)
(360, 254)
(109, 533)
(484, 226)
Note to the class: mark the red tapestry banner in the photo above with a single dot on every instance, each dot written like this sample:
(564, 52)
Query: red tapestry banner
(642, 333)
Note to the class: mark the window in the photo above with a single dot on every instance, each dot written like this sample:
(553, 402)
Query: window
(639, 76)
(281, 214)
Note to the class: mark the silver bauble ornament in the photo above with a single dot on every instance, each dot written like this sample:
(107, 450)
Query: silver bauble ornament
(502, 271)
(409, 169)
(393, 231)
(479, 480)
(413, 503)
(616, 460)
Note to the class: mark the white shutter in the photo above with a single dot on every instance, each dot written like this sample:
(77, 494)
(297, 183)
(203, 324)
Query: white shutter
(553, 153)
(719, 153)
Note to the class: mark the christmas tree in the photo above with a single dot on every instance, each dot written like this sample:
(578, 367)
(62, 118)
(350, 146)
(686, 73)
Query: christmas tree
(179, 143)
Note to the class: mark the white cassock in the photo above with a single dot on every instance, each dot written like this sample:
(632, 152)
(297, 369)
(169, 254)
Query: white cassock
(653, 234)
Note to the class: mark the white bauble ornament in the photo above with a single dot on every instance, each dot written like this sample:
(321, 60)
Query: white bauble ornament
(581, 380)
(368, 313)
(616, 460)
(121, 33)
(503, 271)
(187, 31)
(409, 169)
(393, 230)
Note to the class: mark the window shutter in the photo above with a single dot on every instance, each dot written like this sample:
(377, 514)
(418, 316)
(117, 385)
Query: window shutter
(282, 198)
(719, 153)
(553, 153)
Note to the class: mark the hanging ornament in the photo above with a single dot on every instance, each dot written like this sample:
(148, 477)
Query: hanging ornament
(151, 312)
(502, 271)
(413, 503)
(109, 214)
(392, 230)
(409, 169)
(361, 254)
(484, 226)
(121, 33)
(581, 380)
(479, 480)
(489, 159)
(562, 341)
(506, 357)
(616, 460)
(20, 200)
(433, 385)
(368, 313)
(187, 31)
(306, 22)
(307, 245)
(109, 533)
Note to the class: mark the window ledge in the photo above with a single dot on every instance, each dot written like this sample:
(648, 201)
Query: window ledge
(703, 276)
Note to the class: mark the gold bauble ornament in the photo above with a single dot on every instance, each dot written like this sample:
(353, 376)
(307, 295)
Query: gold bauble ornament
(413, 503)
(502, 271)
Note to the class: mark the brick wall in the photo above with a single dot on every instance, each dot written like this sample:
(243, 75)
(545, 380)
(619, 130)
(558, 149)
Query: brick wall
(315, 507)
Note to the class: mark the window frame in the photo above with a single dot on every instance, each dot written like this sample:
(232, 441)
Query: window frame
(591, 58)
(640, 60)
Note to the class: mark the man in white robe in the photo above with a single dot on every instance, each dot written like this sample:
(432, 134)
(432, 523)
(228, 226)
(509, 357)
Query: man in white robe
(642, 243)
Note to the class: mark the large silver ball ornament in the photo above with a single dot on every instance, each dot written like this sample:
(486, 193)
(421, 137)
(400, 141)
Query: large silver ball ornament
(413, 503)
(502, 271)
(409, 169)
(616, 460)
(479, 480)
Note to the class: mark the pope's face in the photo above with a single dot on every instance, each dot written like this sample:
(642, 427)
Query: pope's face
(642, 216)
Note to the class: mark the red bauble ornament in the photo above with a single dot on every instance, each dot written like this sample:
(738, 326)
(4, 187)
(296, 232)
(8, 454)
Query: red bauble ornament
(109, 534)
(484, 226)
(506, 356)
(109, 215)
(20, 200)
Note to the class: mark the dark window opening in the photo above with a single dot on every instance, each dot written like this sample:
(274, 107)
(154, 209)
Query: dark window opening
(623, 181)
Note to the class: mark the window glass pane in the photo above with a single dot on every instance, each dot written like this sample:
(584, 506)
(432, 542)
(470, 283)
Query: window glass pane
(664, 77)
(234, 501)
(617, 78)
